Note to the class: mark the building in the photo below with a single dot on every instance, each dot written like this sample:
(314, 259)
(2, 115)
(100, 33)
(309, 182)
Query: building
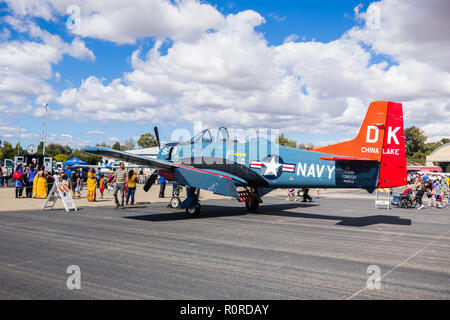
(113, 163)
(441, 154)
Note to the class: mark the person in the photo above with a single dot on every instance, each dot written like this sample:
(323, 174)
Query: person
(306, 196)
(291, 192)
(79, 186)
(438, 196)
(102, 185)
(445, 189)
(41, 189)
(132, 176)
(30, 180)
(68, 172)
(162, 186)
(63, 175)
(35, 179)
(50, 182)
(18, 176)
(420, 190)
(91, 185)
(1, 177)
(120, 178)
(73, 182)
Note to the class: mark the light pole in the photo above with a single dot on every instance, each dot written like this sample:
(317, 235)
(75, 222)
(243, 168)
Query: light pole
(18, 145)
(45, 129)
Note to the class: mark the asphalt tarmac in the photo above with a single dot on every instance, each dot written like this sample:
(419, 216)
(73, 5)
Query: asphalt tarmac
(318, 250)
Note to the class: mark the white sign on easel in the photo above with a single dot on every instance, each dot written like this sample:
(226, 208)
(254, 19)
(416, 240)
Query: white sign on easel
(386, 202)
(60, 190)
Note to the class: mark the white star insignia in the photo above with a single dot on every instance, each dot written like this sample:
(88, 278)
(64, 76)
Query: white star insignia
(272, 167)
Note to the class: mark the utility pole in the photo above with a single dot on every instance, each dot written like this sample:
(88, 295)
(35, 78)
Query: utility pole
(45, 128)
(18, 145)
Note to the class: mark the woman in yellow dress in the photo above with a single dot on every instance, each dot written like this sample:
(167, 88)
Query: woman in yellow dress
(41, 186)
(91, 185)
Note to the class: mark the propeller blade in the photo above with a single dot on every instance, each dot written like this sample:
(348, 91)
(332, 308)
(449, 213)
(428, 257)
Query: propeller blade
(151, 180)
(157, 137)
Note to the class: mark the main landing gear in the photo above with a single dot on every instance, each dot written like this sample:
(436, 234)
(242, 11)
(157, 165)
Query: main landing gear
(191, 204)
(251, 199)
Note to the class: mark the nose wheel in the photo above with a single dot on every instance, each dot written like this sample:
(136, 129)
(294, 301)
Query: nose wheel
(175, 202)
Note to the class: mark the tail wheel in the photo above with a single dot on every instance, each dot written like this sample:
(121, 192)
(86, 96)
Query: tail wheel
(193, 211)
(252, 205)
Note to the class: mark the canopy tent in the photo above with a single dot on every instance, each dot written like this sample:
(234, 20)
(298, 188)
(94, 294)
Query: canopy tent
(74, 162)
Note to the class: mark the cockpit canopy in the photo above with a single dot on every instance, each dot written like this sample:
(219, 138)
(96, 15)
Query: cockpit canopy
(222, 135)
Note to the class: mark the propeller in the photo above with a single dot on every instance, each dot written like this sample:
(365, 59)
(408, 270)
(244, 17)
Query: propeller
(157, 137)
(151, 180)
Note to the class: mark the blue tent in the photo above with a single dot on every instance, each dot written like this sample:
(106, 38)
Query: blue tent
(74, 162)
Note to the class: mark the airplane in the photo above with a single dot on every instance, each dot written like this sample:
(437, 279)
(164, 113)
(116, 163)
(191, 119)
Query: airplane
(247, 171)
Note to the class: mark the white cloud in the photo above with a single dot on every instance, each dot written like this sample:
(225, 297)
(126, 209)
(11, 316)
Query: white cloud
(437, 131)
(26, 64)
(96, 132)
(231, 76)
(126, 21)
(66, 139)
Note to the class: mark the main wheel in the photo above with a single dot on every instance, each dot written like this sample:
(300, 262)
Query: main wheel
(193, 211)
(175, 202)
(252, 205)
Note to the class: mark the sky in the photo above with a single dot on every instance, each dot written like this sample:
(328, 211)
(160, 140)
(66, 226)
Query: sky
(112, 70)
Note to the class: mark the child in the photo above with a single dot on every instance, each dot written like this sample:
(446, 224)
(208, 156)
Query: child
(79, 185)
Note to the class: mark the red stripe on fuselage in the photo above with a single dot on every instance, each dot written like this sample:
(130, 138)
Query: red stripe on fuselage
(195, 169)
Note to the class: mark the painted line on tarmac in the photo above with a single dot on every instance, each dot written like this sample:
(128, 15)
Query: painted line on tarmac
(401, 263)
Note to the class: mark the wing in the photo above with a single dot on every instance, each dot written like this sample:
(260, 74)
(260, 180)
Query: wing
(212, 180)
(129, 157)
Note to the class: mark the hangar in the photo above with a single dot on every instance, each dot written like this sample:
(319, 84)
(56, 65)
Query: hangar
(441, 154)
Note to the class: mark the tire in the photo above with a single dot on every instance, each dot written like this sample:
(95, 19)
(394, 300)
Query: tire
(193, 211)
(252, 205)
(408, 203)
(175, 202)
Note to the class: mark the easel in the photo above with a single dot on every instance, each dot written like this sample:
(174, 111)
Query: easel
(60, 190)
(387, 202)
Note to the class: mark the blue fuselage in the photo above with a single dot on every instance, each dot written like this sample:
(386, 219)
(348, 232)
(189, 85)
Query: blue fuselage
(263, 163)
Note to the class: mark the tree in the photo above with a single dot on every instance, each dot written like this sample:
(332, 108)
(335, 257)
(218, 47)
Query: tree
(89, 158)
(103, 144)
(40, 148)
(116, 145)
(8, 152)
(128, 145)
(54, 149)
(18, 149)
(283, 141)
(414, 140)
(147, 140)
(61, 157)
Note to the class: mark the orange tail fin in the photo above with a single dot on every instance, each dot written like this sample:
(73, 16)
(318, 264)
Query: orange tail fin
(381, 138)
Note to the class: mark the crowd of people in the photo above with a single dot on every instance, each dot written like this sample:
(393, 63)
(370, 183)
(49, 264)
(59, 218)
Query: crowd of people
(432, 186)
(33, 181)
